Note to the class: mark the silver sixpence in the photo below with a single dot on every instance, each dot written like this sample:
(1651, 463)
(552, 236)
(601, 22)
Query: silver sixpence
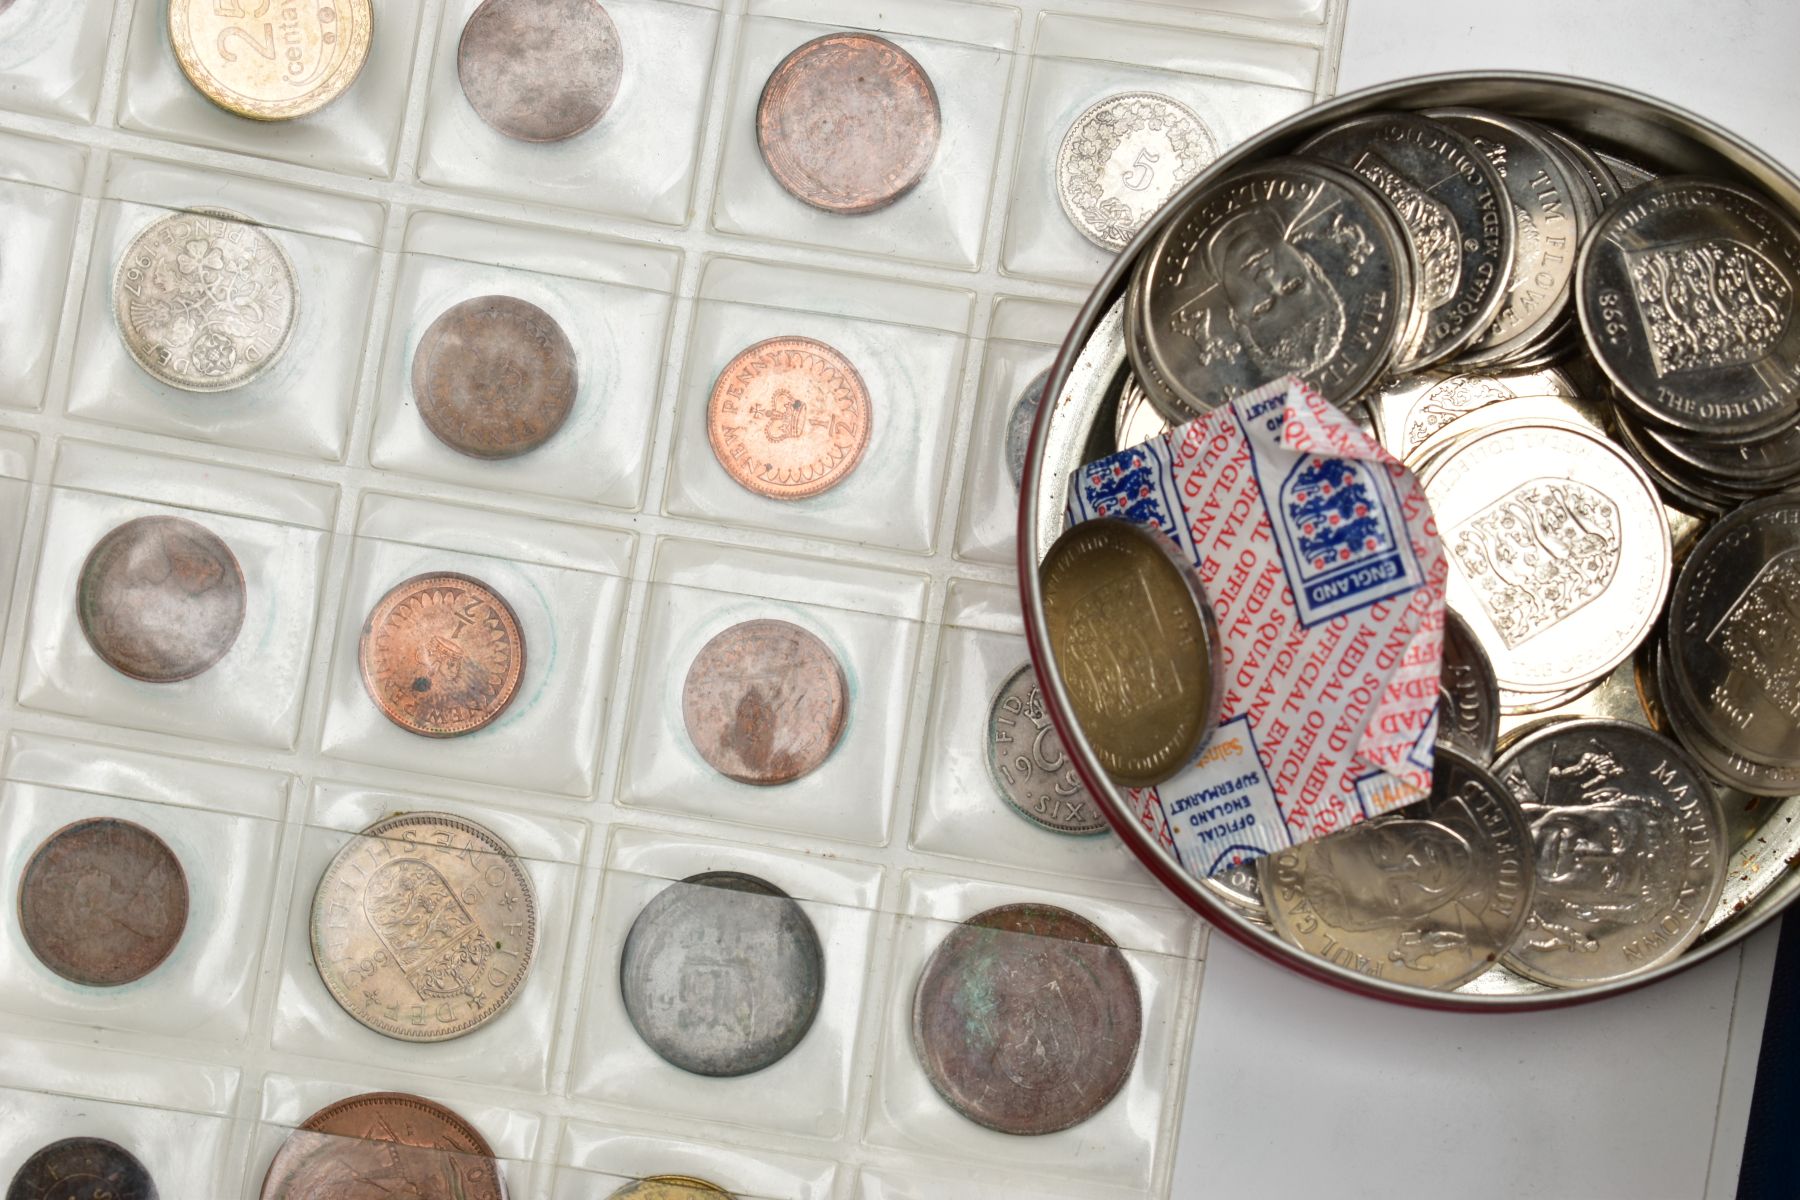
(1028, 764)
(1468, 696)
(721, 973)
(1413, 407)
(1429, 896)
(1122, 158)
(205, 300)
(1019, 423)
(1629, 845)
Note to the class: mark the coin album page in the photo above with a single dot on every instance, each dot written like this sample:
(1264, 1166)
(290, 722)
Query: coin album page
(622, 564)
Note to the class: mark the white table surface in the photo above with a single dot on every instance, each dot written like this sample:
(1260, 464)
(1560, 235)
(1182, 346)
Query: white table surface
(1298, 1090)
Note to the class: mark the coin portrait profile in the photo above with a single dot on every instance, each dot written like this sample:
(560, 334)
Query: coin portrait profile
(1277, 297)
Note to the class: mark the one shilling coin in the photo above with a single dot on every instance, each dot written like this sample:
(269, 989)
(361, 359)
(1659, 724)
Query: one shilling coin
(103, 902)
(540, 70)
(765, 702)
(384, 1144)
(271, 62)
(789, 418)
(494, 377)
(81, 1168)
(441, 654)
(160, 598)
(1122, 158)
(1029, 765)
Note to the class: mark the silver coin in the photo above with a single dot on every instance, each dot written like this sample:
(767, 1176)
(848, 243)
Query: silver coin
(1136, 420)
(1287, 267)
(1524, 704)
(1429, 896)
(722, 973)
(1413, 407)
(1019, 423)
(1725, 765)
(1630, 176)
(205, 300)
(1173, 409)
(1454, 212)
(1605, 185)
(1583, 414)
(1687, 297)
(1665, 467)
(1122, 158)
(1767, 462)
(1629, 845)
(1468, 696)
(1028, 764)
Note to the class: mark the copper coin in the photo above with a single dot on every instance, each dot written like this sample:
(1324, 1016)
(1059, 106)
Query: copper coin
(494, 377)
(103, 902)
(81, 1168)
(1027, 1018)
(789, 418)
(848, 122)
(384, 1144)
(540, 70)
(441, 655)
(764, 702)
(160, 598)
(669, 1187)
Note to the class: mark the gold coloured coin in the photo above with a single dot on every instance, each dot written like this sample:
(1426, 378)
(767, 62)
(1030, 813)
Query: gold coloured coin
(668, 1187)
(271, 60)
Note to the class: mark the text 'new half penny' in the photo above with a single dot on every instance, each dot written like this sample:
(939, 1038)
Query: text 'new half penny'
(540, 70)
(764, 702)
(789, 418)
(160, 599)
(494, 377)
(103, 902)
(442, 654)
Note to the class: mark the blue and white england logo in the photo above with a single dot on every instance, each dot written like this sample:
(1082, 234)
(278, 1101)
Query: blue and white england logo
(1338, 523)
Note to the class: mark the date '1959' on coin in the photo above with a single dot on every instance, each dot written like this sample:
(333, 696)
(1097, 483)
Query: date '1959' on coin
(442, 654)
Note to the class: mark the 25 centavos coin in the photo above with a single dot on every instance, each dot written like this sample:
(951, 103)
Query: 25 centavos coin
(1468, 696)
(1629, 845)
(722, 974)
(1429, 896)
(494, 377)
(81, 1168)
(848, 122)
(765, 702)
(271, 62)
(1028, 764)
(205, 300)
(668, 1187)
(1122, 158)
(384, 1144)
(1027, 1019)
(103, 902)
(160, 599)
(789, 418)
(441, 654)
(1019, 423)
(540, 70)
(423, 926)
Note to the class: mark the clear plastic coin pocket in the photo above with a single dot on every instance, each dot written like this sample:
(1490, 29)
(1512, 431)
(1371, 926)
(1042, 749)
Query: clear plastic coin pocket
(883, 467)
(299, 269)
(53, 57)
(940, 220)
(40, 202)
(17, 451)
(598, 1162)
(831, 764)
(638, 160)
(609, 304)
(200, 585)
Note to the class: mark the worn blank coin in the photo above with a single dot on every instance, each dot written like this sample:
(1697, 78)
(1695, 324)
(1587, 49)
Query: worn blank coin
(1122, 158)
(494, 377)
(82, 1168)
(160, 598)
(765, 702)
(103, 902)
(540, 70)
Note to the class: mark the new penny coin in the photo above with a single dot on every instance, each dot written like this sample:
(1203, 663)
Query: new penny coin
(848, 122)
(788, 418)
(384, 1144)
(1027, 1019)
(494, 377)
(1028, 764)
(1122, 158)
(205, 300)
(271, 62)
(103, 902)
(441, 654)
(722, 973)
(764, 702)
(669, 1187)
(540, 70)
(81, 1168)
(1468, 696)
(423, 926)
(160, 598)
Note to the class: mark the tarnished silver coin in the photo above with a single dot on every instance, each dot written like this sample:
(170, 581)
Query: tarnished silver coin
(1019, 423)
(722, 973)
(540, 70)
(1411, 408)
(1429, 896)
(161, 598)
(81, 1168)
(1029, 765)
(1456, 216)
(1468, 696)
(1122, 158)
(1287, 267)
(1687, 295)
(1629, 845)
(205, 299)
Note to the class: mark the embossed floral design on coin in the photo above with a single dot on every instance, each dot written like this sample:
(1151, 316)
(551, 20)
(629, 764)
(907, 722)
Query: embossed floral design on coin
(205, 300)
(82, 1168)
(1122, 158)
(848, 122)
(789, 418)
(764, 702)
(161, 599)
(1029, 765)
(540, 70)
(1027, 1019)
(669, 1187)
(103, 902)
(423, 926)
(441, 654)
(722, 974)
(1019, 423)
(494, 377)
(384, 1144)
(271, 62)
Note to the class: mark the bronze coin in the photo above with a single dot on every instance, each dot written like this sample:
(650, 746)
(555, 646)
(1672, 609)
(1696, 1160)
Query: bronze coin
(160, 598)
(1027, 1019)
(848, 122)
(384, 1144)
(81, 1168)
(788, 418)
(764, 702)
(441, 654)
(494, 377)
(103, 902)
(540, 70)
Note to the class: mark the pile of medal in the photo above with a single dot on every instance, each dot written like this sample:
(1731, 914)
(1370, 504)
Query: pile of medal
(1595, 374)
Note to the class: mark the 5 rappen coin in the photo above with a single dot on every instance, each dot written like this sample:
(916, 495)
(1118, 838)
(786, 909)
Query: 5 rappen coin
(1122, 158)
